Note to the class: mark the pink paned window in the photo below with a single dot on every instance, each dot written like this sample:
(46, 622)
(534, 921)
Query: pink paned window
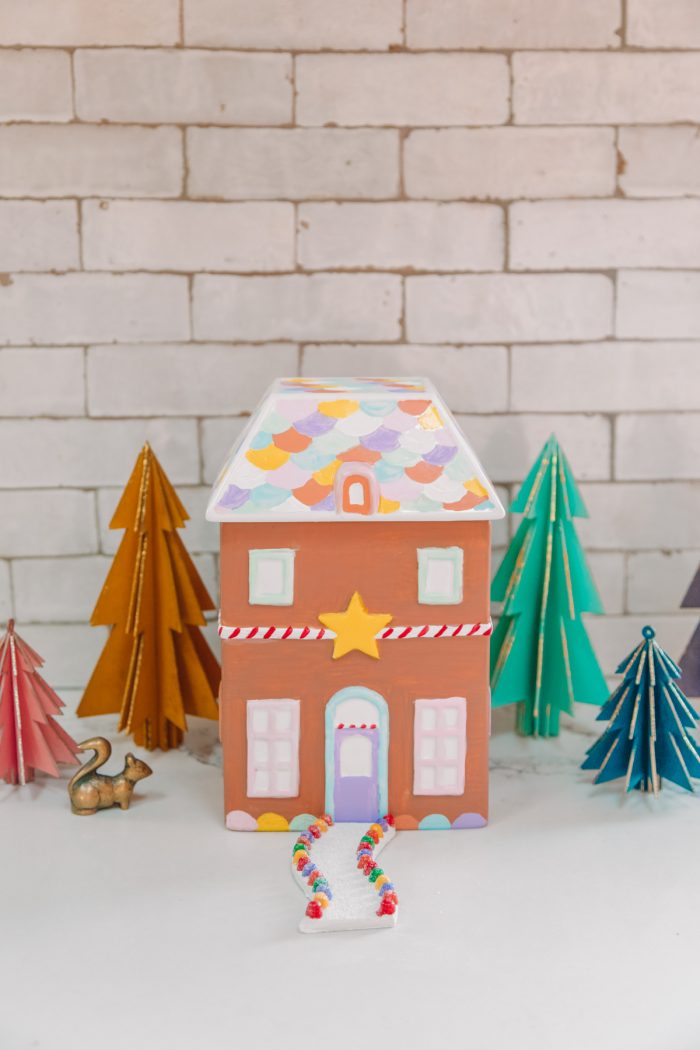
(273, 748)
(439, 746)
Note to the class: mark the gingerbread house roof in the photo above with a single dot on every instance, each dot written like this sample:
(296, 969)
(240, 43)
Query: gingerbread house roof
(309, 434)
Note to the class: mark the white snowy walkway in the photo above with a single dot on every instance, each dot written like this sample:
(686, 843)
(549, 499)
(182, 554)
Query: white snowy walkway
(355, 900)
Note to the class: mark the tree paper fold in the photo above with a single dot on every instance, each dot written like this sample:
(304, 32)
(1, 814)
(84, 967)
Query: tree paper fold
(30, 738)
(156, 667)
(647, 738)
(541, 657)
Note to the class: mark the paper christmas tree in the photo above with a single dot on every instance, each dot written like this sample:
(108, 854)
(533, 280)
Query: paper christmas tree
(30, 738)
(156, 667)
(541, 657)
(647, 738)
(690, 660)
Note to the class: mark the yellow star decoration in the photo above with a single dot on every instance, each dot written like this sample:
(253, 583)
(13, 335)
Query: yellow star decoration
(355, 628)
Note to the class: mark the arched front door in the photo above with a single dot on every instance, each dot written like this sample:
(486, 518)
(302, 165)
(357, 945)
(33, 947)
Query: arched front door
(357, 744)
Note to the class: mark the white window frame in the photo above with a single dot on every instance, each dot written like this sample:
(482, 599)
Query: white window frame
(285, 596)
(448, 732)
(454, 555)
(278, 738)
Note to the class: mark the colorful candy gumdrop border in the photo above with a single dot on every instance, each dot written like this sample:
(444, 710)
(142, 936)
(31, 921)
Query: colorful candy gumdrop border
(322, 894)
(388, 899)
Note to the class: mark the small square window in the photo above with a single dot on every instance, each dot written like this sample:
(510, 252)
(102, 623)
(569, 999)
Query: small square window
(428, 718)
(440, 572)
(427, 747)
(283, 751)
(450, 747)
(450, 717)
(449, 776)
(427, 780)
(271, 577)
(283, 721)
(259, 719)
(261, 750)
(261, 781)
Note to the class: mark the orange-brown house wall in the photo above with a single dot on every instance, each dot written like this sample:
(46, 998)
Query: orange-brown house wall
(334, 559)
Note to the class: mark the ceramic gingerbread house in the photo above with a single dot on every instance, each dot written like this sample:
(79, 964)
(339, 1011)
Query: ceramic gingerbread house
(355, 547)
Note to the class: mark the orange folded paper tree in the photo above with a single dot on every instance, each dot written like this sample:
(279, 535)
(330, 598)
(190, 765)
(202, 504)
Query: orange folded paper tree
(156, 667)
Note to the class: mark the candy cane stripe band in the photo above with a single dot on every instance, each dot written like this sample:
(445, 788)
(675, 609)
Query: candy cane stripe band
(317, 634)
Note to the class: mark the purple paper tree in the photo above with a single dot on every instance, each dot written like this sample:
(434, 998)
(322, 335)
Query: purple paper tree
(689, 662)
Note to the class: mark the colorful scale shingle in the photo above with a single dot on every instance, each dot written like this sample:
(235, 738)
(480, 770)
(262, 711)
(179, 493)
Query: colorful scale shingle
(396, 430)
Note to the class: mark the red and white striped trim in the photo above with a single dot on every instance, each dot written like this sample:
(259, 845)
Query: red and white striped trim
(317, 634)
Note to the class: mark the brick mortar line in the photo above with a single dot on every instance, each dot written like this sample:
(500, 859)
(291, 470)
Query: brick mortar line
(515, 413)
(477, 201)
(398, 271)
(293, 56)
(79, 232)
(623, 23)
(86, 395)
(199, 552)
(185, 182)
(502, 49)
(604, 340)
(369, 343)
(73, 88)
(200, 451)
(602, 270)
(152, 125)
(607, 481)
(212, 618)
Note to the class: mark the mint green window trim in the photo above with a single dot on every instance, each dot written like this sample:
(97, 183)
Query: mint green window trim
(285, 594)
(429, 594)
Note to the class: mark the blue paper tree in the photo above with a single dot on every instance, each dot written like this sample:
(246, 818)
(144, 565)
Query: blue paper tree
(649, 716)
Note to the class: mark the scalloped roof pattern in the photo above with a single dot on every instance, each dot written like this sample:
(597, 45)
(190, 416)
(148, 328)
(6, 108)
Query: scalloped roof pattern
(399, 431)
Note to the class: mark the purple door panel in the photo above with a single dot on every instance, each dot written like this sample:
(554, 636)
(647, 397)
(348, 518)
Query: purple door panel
(356, 797)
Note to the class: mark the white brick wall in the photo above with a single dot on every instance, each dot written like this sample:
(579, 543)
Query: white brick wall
(600, 88)
(508, 307)
(183, 87)
(513, 23)
(35, 85)
(600, 235)
(199, 195)
(403, 90)
(187, 236)
(293, 164)
(419, 235)
(659, 161)
(87, 160)
(507, 163)
(39, 235)
(675, 23)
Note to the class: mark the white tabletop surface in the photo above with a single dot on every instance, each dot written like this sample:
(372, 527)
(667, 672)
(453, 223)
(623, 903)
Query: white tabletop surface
(570, 923)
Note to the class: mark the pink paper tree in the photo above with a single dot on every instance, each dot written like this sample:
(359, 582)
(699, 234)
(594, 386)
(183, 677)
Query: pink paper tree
(30, 739)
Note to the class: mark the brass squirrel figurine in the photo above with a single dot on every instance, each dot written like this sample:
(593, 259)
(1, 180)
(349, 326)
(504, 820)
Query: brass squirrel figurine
(89, 791)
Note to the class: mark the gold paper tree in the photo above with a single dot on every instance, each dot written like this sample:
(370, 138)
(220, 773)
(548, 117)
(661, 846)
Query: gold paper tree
(156, 667)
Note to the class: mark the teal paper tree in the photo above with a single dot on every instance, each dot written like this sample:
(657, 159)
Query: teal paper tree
(649, 716)
(541, 657)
